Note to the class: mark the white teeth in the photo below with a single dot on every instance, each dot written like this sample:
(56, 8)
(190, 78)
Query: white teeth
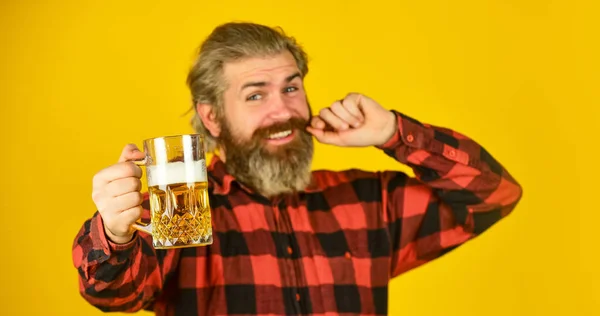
(280, 134)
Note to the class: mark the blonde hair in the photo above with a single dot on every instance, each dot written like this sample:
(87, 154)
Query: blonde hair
(231, 42)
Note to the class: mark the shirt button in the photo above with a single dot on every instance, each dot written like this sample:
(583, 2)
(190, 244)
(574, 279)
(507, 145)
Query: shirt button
(347, 255)
(410, 138)
(452, 153)
(297, 296)
(290, 250)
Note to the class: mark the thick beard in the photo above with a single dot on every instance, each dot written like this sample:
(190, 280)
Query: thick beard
(270, 172)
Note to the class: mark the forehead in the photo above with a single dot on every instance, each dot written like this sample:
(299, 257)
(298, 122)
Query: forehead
(268, 68)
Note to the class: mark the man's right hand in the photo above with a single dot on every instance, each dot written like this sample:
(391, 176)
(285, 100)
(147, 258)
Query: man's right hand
(116, 193)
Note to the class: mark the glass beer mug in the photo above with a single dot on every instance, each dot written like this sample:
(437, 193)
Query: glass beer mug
(178, 189)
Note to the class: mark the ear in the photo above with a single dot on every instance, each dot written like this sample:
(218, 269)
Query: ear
(209, 118)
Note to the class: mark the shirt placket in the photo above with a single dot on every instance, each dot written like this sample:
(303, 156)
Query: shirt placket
(288, 245)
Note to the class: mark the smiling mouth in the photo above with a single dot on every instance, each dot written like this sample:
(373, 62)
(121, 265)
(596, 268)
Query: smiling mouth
(280, 135)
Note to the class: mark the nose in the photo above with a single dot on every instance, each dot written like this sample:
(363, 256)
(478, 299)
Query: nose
(279, 110)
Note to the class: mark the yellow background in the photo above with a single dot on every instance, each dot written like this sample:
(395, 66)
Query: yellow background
(80, 79)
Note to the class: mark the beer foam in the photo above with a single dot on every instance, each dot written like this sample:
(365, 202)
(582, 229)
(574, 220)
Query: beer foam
(177, 172)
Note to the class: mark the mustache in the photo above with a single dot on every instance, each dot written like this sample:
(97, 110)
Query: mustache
(291, 124)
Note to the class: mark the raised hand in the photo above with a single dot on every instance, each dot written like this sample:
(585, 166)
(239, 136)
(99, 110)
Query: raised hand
(355, 121)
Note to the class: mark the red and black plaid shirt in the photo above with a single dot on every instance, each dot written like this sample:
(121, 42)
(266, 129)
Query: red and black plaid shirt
(329, 250)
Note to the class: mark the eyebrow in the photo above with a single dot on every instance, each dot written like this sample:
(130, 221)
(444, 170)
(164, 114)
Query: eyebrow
(262, 83)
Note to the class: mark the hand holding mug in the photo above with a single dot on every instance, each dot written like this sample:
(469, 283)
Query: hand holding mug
(116, 193)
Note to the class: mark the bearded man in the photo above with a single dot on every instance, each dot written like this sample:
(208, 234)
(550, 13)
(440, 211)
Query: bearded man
(289, 240)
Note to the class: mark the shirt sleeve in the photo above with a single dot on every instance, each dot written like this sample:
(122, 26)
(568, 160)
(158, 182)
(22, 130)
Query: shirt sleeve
(459, 191)
(120, 277)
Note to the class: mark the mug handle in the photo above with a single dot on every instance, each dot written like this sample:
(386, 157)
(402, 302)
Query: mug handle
(139, 225)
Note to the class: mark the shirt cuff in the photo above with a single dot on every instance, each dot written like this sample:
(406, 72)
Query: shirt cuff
(101, 241)
(122, 247)
(416, 135)
(409, 132)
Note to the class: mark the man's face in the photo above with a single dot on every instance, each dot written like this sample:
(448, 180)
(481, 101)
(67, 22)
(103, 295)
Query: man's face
(263, 131)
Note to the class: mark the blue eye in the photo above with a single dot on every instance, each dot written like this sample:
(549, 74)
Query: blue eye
(254, 97)
(290, 89)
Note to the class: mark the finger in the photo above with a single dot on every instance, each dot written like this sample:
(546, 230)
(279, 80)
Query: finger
(352, 104)
(131, 152)
(324, 136)
(342, 112)
(129, 216)
(330, 118)
(126, 201)
(123, 186)
(116, 172)
(120, 226)
(98, 196)
(317, 122)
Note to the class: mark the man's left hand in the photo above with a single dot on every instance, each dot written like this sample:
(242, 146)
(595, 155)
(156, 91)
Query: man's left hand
(355, 121)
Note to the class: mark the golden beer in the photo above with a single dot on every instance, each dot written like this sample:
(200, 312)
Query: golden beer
(179, 206)
(178, 192)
